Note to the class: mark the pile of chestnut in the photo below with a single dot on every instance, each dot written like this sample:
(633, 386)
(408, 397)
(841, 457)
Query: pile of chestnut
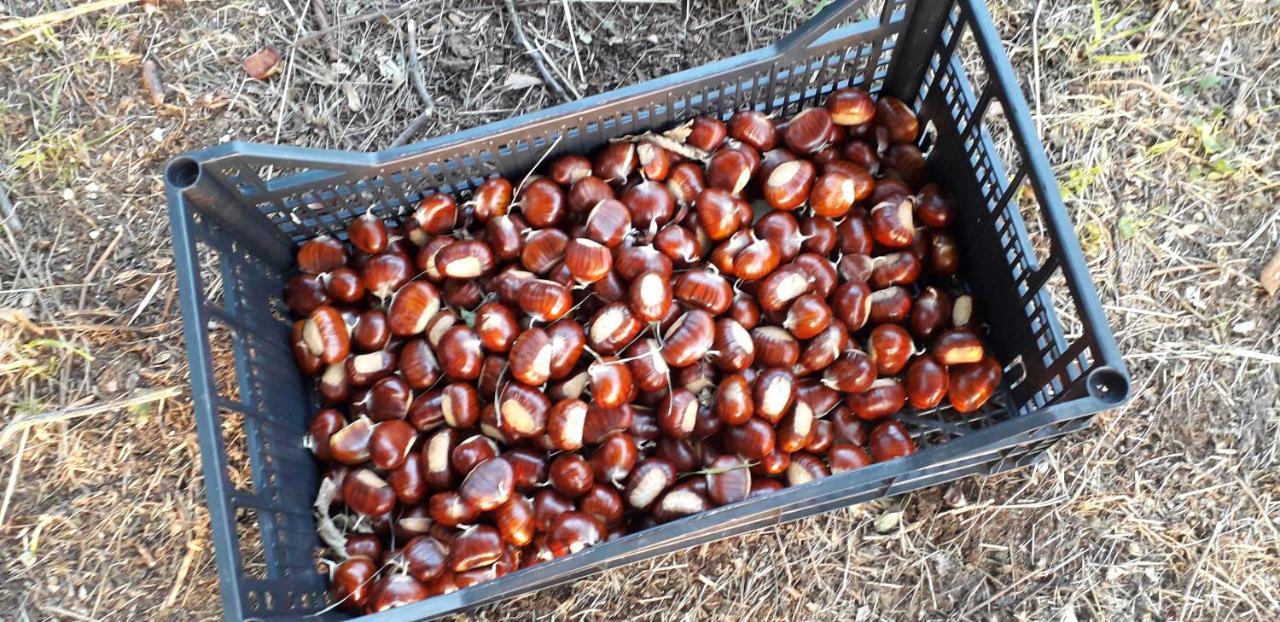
(680, 322)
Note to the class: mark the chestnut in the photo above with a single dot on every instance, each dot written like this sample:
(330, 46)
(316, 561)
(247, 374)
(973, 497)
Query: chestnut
(820, 398)
(796, 428)
(885, 397)
(604, 503)
(492, 198)
(773, 393)
(407, 480)
(753, 128)
(930, 313)
(648, 480)
(573, 531)
(547, 506)
(471, 452)
(689, 339)
(325, 335)
(677, 412)
(385, 273)
(304, 293)
(351, 582)
(611, 383)
(654, 161)
(601, 421)
(390, 443)
(488, 485)
(756, 260)
(565, 424)
(686, 182)
(324, 424)
(761, 487)
(744, 310)
(437, 457)
(717, 212)
(321, 254)
(608, 223)
(412, 307)
(389, 399)
(679, 502)
(901, 268)
(809, 131)
(366, 492)
(735, 347)
(789, 185)
(706, 133)
(612, 328)
(773, 463)
(895, 116)
(545, 301)
(614, 458)
(543, 203)
(477, 546)
(425, 557)
(570, 475)
(926, 382)
(588, 192)
(615, 162)
(935, 207)
(850, 106)
(889, 347)
(522, 411)
(807, 317)
(460, 353)
(833, 195)
(651, 205)
(649, 370)
(804, 468)
(823, 437)
(957, 347)
(783, 286)
(853, 234)
(775, 347)
(465, 259)
(543, 250)
(891, 304)
(350, 445)
(823, 349)
(848, 427)
(889, 440)
(972, 384)
(892, 223)
(728, 480)
(847, 457)
(944, 254)
(752, 440)
(587, 260)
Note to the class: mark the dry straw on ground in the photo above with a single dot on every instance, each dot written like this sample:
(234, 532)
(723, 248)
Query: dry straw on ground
(1159, 117)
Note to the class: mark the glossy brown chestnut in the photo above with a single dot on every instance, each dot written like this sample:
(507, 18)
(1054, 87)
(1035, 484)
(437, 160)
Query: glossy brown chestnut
(728, 480)
(773, 393)
(717, 212)
(437, 458)
(351, 582)
(885, 397)
(706, 133)
(476, 547)
(492, 198)
(930, 313)
(649, 370)
(547, 506)
(654, 161)
(804, 468)
(366, 492)
(651, 205)
(350, 445)
(436, 214)
(570, 475)
(689, 339)
(895, 116)
(853, 372)
(892, 223)
(795, 429)
(488, 485)
(522, 410)
(408, 481)
(545, 301)
(611, 383)
(587, 260)
(807, 317)
(543, 249)
(325, 335)
(973, 384)
(677, 413)
(889, 346)
(824, 436)
(389, 398)
(614, 458)
(734, 346)
(615, 162)
(324, 424)
(412, 307)
(851, 106)
(744, 310)
(304, 293)
(390, 443)
(935, 207)
(774, 346)
(823, 349)
(686, 182)
(384, 274)
(847, 457)
(729, 170)
(753, 128)
(809, 131)
(944, 254)
(891, 304)
(789, 185)
(648, 480)
(567, 341)
(460, 353)
(957, 347)
(321, 254)
(573, 531)
(603, 502)
(756, 260)
(471, 452)
(784, 285)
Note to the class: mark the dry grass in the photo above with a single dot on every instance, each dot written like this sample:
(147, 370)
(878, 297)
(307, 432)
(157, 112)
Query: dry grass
(1160, 121)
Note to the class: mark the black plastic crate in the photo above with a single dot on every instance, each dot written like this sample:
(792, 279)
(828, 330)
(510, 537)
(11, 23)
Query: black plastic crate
(239, 210)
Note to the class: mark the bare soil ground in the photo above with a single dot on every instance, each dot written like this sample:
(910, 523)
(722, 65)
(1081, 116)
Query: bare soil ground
(1160, 120)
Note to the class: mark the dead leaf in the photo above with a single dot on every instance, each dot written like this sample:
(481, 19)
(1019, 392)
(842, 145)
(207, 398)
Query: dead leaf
(518, 81)
(1270, 276)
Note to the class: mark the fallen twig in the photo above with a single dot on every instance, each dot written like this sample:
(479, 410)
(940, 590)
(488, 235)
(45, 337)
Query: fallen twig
(361, 18)
(538, 60)
(322, 20)
(8, 216)
(14, 470)
(415, 69)
(22, 422)
(57, 17)
(415, 126)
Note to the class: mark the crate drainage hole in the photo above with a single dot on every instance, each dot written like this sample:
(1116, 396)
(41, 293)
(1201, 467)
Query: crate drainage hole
(1108, 385)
